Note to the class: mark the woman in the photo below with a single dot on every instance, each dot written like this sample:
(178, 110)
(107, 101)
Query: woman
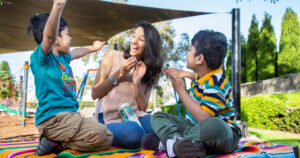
(128, 77)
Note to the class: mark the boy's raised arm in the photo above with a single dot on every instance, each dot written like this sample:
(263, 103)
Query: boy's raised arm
(81, 52)
(51, 28)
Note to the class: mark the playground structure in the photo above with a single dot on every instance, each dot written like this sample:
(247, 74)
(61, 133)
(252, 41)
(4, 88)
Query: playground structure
(11, 110)
(21, 111)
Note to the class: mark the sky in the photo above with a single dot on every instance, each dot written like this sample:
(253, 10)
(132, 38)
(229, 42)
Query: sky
(219, 22)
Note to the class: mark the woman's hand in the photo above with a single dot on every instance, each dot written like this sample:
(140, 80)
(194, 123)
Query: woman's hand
(127, 66)
(138, 73)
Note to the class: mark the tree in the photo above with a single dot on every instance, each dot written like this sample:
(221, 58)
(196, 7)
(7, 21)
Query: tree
(252, 47)
(7, 85)
(174, 57)
(244, 53)
(167, 35)
(289, 46)
(178, 58)
(266, 49)
(228, 62)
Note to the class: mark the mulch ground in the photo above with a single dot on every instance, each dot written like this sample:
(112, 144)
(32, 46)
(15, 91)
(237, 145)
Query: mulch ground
(11, 127)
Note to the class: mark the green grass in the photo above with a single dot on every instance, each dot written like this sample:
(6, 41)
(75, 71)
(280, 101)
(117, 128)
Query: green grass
(277, 137)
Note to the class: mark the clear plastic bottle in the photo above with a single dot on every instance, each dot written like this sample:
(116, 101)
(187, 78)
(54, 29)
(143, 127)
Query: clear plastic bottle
(128, 114)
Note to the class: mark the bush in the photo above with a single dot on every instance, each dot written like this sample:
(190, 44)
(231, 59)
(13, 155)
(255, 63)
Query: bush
(87, 104)
(172, 109)
(272, 111)
(33, 105)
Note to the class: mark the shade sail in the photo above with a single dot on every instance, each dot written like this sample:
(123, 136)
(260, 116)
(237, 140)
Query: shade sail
(88, 20)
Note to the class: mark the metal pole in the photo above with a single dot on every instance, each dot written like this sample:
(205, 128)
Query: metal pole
(115, 46)
(236, 61)
(20, 95)
(26, 67)
(154, 99)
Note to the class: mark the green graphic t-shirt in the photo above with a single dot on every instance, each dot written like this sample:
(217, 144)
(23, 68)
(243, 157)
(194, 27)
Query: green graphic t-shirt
(54, 84)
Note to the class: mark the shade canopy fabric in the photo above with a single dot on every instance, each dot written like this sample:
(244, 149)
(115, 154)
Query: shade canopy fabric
(88, 20)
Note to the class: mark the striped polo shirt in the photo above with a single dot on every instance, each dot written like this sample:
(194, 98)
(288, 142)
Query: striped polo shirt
(213, 92)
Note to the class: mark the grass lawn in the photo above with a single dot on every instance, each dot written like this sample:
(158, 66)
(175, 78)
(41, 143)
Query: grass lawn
(277, 137)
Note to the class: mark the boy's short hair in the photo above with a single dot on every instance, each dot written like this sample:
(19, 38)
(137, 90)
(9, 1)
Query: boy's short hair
(213, 46)
(37, 24)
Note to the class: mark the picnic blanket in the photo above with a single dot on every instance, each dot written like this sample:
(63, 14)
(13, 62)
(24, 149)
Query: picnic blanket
(25, 148)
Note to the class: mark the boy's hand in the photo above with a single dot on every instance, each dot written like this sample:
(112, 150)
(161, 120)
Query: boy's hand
(176, 72)
(60, 2)
(96, 46)
(177, 82)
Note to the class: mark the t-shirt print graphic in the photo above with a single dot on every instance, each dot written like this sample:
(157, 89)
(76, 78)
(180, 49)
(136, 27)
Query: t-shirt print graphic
(68, 79)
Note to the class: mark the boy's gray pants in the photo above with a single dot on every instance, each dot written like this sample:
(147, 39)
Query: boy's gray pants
(76, 132)
(216, 134)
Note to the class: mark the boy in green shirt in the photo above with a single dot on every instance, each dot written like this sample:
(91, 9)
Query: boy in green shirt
(59, 124)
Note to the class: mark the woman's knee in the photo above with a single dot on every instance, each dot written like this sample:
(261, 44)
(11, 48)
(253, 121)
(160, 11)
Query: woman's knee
(132, 136)
(127, 134)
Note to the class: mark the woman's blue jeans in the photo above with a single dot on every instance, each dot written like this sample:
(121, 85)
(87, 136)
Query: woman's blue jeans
(129, 134)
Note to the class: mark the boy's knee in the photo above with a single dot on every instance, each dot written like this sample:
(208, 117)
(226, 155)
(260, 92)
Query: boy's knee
(97, 136)
(157, 115)
(214, 129)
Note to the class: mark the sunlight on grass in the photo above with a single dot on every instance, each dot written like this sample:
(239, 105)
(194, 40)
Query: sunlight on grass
(279, 138)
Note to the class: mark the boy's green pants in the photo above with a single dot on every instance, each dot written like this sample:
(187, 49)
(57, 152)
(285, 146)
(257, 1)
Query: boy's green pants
(216, 134)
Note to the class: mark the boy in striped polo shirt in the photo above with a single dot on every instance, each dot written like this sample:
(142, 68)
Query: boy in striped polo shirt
(210, 125)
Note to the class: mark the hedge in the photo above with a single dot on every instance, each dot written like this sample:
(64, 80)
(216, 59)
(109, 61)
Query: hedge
(269, 111)
(172, 109)
(87, 104)
(272, 111)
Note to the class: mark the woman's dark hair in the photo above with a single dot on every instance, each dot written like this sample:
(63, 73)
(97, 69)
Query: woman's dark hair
(213, 46)
(151, 55)
(37, 24)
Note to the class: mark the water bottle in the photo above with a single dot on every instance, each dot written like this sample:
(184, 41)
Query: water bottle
(128, 114)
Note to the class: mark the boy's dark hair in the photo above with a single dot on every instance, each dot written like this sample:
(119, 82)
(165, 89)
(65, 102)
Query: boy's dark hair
(37, 24)
(213, 46)
(151, 55)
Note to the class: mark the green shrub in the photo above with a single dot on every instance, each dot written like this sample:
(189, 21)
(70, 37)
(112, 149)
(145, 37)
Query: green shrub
(33, 105)
(87, 104)
(172, 109)
(272, 111)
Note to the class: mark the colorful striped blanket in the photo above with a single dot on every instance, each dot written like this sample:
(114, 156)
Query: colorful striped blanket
(25, 148)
